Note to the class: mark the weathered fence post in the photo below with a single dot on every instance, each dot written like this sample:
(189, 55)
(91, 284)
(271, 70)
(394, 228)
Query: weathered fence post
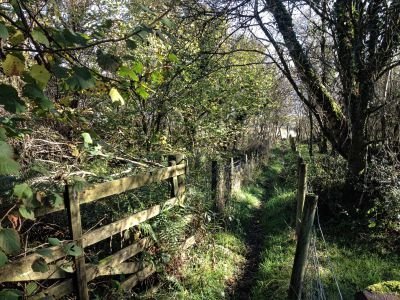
(303, 243)
(177, 182)
(74, 219)
(231, 176)
(301, 192)
(174, 179)
(217, 186)
(292, 143)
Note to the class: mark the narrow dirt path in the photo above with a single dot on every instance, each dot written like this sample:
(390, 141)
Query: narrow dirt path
(254, 240)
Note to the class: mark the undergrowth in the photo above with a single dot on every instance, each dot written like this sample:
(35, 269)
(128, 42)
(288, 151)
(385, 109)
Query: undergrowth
(353, 264)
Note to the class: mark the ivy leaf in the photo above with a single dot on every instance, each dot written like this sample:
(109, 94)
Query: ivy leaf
(116, 96)
(3, 32)
(10, 99)
(10, 294)
(8, 165)
(33, 92)
(40, 37)
(3, 258)
(13, 66)
(31, 288)
(9, 241)
(54, 241)
(72, 249)
(40, 74)
(26, 212)
(40, 265)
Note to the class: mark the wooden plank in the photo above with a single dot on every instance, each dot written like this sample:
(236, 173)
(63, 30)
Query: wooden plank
(21, 269)
(110, 265)
(54, 272)
(123, 268)
(115, 187)
(56, 291)
(42, 211)
(74, 217)
(127, 183)
(133, 280)
(106, 231)
(117, 258)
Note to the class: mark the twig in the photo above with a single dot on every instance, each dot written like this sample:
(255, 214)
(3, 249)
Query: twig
(12, 207)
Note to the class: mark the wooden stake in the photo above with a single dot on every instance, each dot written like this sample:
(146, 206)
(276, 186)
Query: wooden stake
(301, 194)
(303, 243)
(74, 217)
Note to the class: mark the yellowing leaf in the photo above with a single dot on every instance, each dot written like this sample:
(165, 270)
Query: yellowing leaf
(116, 96)
(17, 38)
(13, 65)
(40, 74)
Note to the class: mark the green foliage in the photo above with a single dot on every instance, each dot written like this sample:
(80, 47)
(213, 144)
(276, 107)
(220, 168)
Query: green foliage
(40, 265)
(355, 266)
(3, 258)
(10, 294)
(72, 249)
(9, 241)
(389, 287)
(7, 164)
(3, 32)
(10, 99)
(31, 288)
(13, 65)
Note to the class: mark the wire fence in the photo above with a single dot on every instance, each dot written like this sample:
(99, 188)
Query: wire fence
(320, 270)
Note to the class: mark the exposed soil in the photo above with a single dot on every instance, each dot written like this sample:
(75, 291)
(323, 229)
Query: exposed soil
(254, 240)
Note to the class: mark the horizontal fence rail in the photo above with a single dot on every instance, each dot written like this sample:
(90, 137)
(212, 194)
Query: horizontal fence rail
(21, 270)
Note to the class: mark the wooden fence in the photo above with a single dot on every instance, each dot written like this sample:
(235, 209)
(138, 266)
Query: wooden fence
(83, 272)
(227, 176)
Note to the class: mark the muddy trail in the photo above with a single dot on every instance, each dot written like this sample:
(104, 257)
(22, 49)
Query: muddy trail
(241, 290)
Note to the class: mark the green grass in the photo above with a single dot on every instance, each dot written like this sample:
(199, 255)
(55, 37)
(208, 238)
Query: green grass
(354, 265)
(216, 262)
(210, 267)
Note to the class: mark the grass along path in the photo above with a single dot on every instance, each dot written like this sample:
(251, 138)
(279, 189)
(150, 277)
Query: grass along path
(250, 255)
(354, 264)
